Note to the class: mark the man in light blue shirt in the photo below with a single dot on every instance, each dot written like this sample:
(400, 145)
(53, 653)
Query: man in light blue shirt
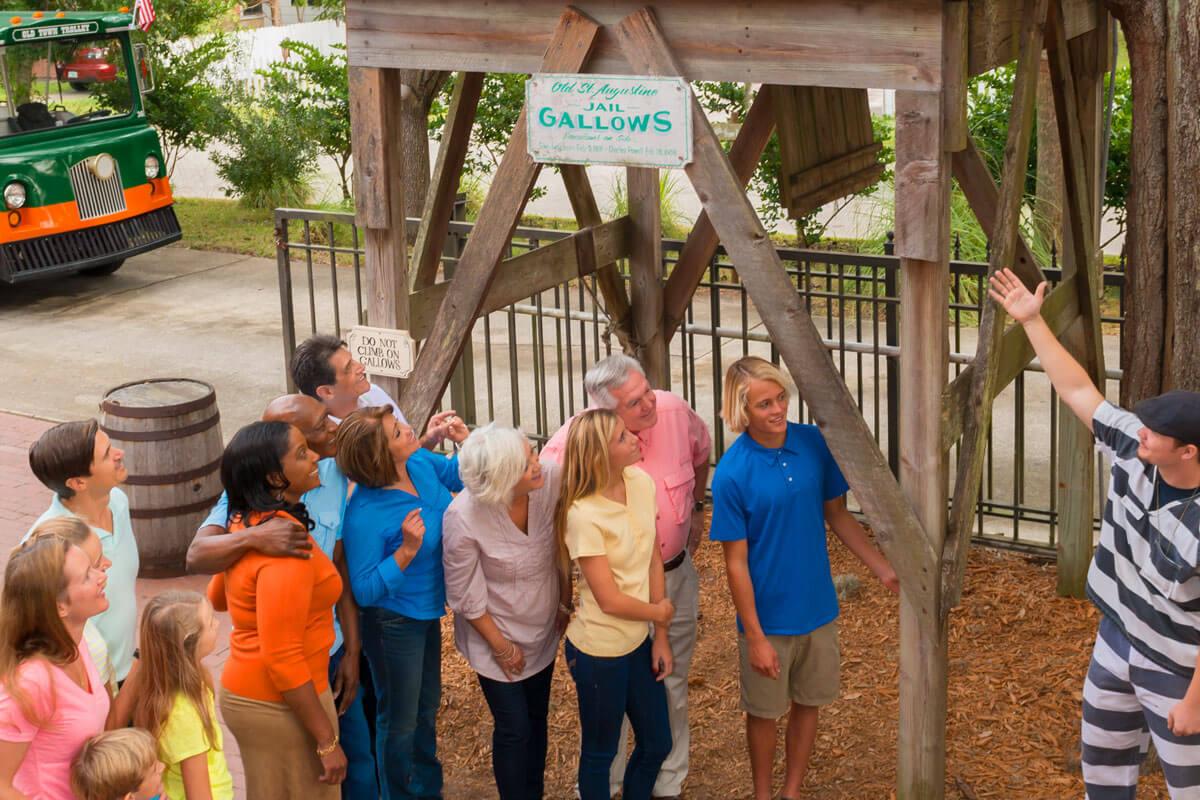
(77, 461)
(215, 549)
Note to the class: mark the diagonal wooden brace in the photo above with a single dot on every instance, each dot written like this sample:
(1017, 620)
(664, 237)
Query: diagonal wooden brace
(991, 327)
(569, 49)
(701, 244)
(791, 328)
(435, 220)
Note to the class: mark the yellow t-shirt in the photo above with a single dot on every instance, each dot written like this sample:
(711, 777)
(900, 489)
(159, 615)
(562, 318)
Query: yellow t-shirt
(183, 737)
(597, 526)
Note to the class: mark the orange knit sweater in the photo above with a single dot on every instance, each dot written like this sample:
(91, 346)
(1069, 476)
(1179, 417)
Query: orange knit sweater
(282, 612)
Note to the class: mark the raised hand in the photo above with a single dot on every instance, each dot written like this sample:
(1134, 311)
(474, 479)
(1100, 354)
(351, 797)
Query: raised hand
(1007, 290)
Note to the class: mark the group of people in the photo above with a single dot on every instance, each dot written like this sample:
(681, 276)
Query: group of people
(342, 537)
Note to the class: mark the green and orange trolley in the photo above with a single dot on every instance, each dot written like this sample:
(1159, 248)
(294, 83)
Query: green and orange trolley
(82, 175)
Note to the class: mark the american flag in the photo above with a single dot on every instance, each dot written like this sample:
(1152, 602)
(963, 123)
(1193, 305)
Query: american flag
(143, 14)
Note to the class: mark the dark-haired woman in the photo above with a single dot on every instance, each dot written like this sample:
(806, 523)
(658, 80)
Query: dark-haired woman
(275, 694)
(51, 696)
(393, 539)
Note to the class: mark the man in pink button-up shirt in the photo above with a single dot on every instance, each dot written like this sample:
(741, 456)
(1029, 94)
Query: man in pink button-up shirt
(675, 449)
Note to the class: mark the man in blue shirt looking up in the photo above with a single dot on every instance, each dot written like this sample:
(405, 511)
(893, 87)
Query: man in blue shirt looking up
(774, 490)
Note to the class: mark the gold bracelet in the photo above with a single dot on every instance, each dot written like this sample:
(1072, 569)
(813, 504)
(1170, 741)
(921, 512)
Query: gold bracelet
(329, 748)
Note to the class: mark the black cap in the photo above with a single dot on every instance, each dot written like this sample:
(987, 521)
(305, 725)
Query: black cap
(1175, 413)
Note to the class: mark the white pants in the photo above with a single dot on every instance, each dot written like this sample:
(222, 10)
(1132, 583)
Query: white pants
(683, 588)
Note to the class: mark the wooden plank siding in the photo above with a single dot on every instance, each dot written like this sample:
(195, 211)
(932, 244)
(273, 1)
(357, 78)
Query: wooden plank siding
(994, 30)
(887, 44)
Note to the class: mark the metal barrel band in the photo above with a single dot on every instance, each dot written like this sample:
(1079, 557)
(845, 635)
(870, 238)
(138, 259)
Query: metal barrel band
(171, 511)
(157, 412)
(162, 436)
(174, 477)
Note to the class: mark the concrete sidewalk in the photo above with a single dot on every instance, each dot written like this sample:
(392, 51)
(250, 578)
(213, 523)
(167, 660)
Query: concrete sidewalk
(23, 499)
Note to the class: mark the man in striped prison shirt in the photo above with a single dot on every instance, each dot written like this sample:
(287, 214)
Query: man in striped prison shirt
(1143, 681)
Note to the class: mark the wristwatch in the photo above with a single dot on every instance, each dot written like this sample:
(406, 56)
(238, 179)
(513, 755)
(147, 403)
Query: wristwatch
(698, 506)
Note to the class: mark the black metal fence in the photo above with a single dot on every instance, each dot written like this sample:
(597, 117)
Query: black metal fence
(525, 364)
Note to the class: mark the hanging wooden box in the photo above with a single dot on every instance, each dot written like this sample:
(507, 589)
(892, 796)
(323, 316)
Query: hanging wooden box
(827, 148)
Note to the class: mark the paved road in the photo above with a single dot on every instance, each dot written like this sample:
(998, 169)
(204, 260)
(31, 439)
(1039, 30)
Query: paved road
(171, 312)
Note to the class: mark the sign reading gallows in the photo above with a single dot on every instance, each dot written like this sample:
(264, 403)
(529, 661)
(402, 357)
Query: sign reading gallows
(609, 119)
(383, 351)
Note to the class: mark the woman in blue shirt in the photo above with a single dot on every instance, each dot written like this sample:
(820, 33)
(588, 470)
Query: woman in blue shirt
(392, 535)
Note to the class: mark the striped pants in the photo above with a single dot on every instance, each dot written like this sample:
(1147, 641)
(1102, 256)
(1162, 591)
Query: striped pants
(1126, 699)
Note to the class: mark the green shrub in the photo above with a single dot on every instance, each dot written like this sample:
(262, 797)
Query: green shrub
(268, 161)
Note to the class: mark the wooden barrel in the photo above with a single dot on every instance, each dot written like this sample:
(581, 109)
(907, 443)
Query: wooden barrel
(170, 431)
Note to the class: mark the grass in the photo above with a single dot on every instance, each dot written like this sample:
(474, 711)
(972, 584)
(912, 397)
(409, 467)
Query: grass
(226, 226)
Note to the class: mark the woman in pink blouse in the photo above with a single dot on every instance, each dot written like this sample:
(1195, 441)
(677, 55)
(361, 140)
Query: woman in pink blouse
(51, 696)
(510, 599)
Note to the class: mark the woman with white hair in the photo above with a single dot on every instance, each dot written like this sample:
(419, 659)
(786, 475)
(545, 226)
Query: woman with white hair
(511, 600)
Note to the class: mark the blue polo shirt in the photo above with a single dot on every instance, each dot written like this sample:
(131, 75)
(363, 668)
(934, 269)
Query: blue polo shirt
(326, 504)
(371, 534)
(774, 498)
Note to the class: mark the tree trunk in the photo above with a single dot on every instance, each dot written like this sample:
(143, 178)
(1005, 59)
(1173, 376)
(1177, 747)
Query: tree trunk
(1183, 213)
(1048, 203)
(276, 13)
(420, 88)
(1144, 344)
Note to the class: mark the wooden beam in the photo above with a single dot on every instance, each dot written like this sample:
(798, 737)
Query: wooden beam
(791, 328)
(895, 45)
(368, 135)
(514, 179)
(973, 176)
(608, 277)
(447, 172)
(1078, 187)
(991, 327)
(379, 181)
(1061, 310)
(1075, 480)
(955, 16)
(924, 351)
(995, 28)
(531, 273)
(646, 274)
(702, 241)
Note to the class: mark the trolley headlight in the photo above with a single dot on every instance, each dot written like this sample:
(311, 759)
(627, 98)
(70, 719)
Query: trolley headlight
(14, 195)
(152, 167)
(102, 166)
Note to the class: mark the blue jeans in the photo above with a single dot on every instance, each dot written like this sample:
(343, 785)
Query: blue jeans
(519, 712)
(406, 668)
(609, 689)
(360, 783)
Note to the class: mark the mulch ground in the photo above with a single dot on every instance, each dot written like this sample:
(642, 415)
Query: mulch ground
(1018, 655)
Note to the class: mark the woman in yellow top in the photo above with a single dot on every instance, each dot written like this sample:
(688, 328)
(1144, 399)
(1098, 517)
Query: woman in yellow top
(605, 523)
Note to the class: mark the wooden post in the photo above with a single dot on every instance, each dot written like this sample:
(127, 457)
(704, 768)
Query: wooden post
(379, 197)
(568, 51)
(645, 273)
(922, 242)
(1004, 237)
(1076, 477)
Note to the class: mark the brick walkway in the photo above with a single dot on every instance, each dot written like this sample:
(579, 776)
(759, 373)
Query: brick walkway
(23, 499)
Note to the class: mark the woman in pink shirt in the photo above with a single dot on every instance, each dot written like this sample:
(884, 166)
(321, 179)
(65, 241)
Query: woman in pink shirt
(51, 696)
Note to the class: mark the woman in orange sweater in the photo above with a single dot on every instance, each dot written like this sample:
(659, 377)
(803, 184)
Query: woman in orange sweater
(275, 694)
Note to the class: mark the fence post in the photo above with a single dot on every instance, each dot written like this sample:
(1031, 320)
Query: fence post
(286, 314)
(462, 380)
(891, 329)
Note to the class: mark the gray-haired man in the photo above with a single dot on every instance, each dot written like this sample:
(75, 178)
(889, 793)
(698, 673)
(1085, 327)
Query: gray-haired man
(675, 449)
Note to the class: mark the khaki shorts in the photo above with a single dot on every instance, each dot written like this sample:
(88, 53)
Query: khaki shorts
(809, 667)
